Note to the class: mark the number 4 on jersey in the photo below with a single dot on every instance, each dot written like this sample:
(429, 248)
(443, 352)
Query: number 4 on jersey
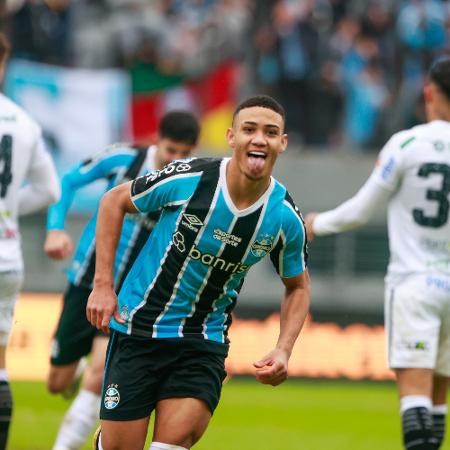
(6, 159)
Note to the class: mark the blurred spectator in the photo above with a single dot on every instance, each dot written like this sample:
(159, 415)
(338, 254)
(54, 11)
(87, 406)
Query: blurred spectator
(336, 65)
(41, 31)
(366, 98)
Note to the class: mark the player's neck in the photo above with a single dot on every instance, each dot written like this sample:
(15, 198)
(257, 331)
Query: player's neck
(244, 192)
(438, 111)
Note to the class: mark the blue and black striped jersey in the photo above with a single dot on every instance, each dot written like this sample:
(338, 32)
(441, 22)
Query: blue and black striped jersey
(117, 164)
(186, 279)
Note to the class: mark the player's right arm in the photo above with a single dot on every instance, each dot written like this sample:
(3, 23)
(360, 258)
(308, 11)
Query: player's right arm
(172, 185)
(102, 303)
(58, 243)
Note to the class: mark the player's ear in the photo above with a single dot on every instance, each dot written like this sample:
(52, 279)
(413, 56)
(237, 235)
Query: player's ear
(284, 143)
(231, 138)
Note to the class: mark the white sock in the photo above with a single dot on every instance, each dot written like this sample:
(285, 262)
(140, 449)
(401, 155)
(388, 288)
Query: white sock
(3, 375)
(162, 446)
(439, 409)
(100, 441)
(415, 401)
(78, 421)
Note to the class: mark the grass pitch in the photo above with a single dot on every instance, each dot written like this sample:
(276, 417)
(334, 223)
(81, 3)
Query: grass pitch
(300, 414)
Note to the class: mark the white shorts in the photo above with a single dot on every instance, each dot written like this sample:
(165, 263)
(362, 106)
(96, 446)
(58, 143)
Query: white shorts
(417, 319)
(10, 284)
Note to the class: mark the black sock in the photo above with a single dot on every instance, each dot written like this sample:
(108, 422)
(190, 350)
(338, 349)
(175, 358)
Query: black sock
(438, 429)
(417, 429)
(5, 412)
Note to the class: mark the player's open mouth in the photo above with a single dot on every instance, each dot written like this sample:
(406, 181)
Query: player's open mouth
(256, 160)
(255, 154)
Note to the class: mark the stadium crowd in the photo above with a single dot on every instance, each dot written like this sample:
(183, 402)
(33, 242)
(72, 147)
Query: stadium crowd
(343, 69)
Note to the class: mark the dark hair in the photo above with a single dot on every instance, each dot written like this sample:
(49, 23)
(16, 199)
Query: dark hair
(4, 48)
(180, 126)
(264, 101)
(439, 74)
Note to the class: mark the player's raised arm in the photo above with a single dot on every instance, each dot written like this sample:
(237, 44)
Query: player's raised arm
(273, 367)
(102, 303)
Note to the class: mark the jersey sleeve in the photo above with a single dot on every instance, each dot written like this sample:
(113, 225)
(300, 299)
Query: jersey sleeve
(172, 185)
(373, 195)
(105, 165)
(388, 170)
(42, 186)
(290, 253)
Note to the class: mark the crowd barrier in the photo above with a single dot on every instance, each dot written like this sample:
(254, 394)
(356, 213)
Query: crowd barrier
(325, 350)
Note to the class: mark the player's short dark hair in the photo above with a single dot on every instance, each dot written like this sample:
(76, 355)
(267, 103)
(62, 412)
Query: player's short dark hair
(439, 74)
(180, 126)
(5, 48)
(264, 101)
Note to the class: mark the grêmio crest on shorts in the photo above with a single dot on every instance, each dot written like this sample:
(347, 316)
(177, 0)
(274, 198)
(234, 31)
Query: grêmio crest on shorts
(186, 280)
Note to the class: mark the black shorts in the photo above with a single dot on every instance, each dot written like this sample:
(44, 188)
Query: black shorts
(140, 371)
(74, 334)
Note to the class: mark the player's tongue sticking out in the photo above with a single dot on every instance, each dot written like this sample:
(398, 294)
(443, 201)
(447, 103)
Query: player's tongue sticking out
(256, 162)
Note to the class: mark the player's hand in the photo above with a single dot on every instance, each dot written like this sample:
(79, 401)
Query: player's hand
(309, 220)
(272, 368)
(102, 304)
(58, 244)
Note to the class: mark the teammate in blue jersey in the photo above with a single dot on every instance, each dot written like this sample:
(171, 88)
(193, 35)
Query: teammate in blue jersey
(170, 323)
(75, 337)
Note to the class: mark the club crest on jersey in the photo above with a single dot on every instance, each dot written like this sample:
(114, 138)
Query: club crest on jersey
(262, 245)
(112, 396)
(192, 222)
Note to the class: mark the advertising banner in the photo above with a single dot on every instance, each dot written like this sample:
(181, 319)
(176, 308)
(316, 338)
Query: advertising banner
(80, 111)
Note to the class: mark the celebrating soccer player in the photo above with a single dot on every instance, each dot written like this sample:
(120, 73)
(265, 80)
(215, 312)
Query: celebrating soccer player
(171, 319)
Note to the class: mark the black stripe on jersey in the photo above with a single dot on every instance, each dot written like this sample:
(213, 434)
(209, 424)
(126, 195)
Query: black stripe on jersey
(288, 198)
(275, 253)
(88, 276)
(163, 287)
(141, 238)
(134, 168)
(217, 279)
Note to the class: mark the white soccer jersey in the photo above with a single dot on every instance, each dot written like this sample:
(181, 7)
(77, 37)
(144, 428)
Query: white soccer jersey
(22, 158)
(413, 171)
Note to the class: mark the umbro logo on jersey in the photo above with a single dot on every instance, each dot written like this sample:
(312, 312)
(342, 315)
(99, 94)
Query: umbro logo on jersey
(192, 222)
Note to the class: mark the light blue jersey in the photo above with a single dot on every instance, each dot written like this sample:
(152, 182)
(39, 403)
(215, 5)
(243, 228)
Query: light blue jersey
(118, 164)
(186, 280)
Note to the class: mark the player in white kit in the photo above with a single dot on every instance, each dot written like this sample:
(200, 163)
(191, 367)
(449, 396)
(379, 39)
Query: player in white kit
(23, 158)
(412, 174)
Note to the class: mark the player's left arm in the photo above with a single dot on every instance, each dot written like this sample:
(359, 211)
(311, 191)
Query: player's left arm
(43, 183)
(289, 256)
(273, 367)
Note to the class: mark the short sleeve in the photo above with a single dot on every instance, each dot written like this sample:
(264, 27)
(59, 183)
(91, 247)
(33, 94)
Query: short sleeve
(173, 185)
(388, 170)
(290, 253)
